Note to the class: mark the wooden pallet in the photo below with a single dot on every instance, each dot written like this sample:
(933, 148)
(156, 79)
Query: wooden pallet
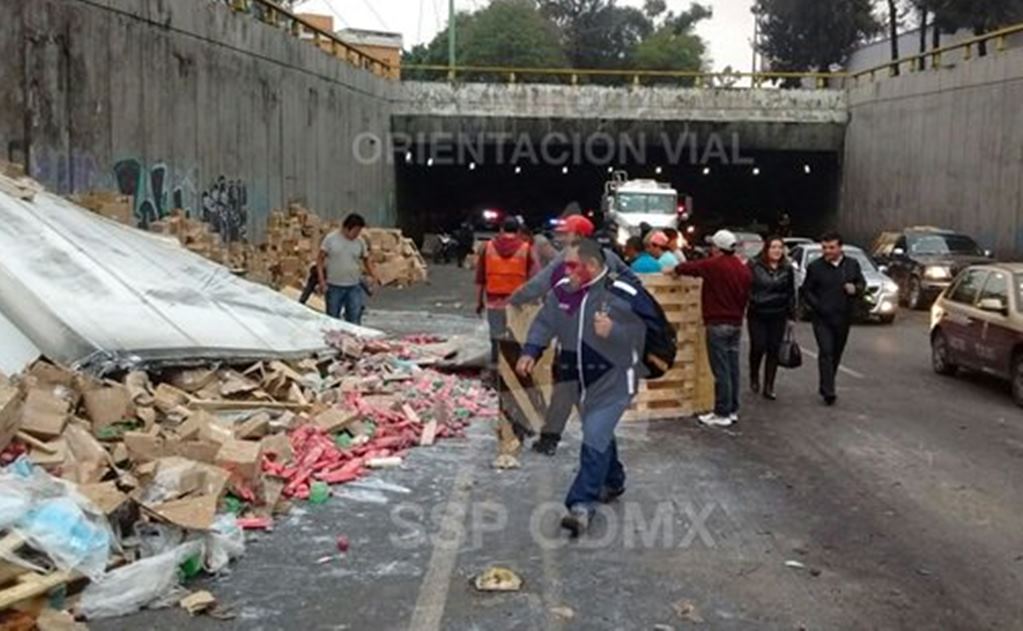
(687, 389)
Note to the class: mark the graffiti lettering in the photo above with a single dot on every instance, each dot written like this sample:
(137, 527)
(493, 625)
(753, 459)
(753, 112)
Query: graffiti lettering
(156, 192)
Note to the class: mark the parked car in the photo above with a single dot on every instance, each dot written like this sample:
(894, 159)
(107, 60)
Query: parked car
(792, 242)
(977, 323)
(923, 261)
(881, 300)
(750, 245)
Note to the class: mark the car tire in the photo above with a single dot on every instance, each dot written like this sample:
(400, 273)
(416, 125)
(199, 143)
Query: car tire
(915, 295)
(941, 359)
(888, 319)
(1017, 378)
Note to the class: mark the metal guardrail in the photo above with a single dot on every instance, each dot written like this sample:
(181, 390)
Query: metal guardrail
(575, 75)
(918, 62)
(275, 15)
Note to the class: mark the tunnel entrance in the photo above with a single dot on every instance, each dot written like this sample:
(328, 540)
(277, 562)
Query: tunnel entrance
(438, 190)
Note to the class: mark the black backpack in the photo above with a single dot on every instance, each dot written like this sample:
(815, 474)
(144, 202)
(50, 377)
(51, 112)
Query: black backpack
(660, 344)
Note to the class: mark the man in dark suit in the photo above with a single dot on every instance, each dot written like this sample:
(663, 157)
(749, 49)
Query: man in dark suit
(833, 286)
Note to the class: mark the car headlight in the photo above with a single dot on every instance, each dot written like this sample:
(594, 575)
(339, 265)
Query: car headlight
(891, 287)
(938, 272)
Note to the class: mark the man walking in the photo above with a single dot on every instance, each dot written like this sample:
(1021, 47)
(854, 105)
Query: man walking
(726, 291)
(342, 261)
(505, 266)
(832, 287)
(565, 390)
(598, 322)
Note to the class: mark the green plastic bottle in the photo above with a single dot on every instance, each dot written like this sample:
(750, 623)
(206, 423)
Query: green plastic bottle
(319, 493)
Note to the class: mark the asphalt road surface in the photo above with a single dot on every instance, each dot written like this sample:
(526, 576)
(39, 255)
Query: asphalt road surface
(897, 509)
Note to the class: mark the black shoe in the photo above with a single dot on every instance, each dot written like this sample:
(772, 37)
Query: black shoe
(830, 399)
(754, 385)
(547, 444)
(608, 495)
(576, 521)
(770, 395)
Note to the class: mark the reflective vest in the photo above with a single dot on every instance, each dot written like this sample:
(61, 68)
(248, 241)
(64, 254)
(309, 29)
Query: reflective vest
(506, 275)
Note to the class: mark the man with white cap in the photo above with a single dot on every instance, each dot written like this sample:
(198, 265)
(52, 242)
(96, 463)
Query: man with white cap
(726, 290)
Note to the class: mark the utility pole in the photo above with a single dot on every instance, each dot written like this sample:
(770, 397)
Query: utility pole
(451, 40)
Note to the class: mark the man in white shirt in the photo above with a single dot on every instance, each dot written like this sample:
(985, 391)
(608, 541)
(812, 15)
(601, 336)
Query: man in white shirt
(341, 263)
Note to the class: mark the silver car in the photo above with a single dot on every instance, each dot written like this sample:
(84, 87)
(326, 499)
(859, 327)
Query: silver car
(882, 298)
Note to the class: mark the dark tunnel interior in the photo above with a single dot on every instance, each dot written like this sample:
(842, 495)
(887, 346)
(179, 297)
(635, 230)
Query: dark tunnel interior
(436, 194)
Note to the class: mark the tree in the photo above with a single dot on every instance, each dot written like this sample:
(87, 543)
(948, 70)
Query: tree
(982, 16)
(811, 35)
(508, 33)
(674, 45)
(598, 33)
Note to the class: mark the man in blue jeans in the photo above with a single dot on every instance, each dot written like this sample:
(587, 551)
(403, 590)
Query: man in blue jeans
(342, 261)
(726, 289)
(597, 320)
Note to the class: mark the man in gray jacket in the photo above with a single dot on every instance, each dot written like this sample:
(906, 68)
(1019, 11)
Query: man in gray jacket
(565, 391)
(596, 319)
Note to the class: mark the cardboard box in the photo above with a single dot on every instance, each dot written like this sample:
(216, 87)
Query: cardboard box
(335, 419)
(44, 414)
(10, 413)
(241, 457)
(108, 405)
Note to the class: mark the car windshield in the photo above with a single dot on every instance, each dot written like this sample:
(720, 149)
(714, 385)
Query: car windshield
(866, 264)
(646, 203)
(943, 244)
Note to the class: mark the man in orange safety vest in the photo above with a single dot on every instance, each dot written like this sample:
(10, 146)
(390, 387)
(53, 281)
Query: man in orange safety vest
(505, 264)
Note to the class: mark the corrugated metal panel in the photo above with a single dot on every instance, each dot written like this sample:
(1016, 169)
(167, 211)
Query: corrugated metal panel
(88, 291)
(16, 350)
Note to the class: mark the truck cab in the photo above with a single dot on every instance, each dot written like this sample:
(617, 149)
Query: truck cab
(628, 204)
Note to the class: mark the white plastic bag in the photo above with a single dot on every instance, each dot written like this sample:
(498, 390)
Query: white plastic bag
(225, 541)
(15, 501)
(132, 587)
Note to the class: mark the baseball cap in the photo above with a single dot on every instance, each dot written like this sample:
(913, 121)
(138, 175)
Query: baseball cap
(723, 240)
(659, 239)
(576, 224)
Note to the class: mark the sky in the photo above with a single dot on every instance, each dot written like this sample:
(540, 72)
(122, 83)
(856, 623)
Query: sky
(728, 33)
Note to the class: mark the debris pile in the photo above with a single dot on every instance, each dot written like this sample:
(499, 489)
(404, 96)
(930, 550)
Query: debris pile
(130, 484)
(293, 238)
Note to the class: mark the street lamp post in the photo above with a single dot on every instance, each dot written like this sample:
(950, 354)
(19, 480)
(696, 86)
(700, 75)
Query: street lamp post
(451, 40)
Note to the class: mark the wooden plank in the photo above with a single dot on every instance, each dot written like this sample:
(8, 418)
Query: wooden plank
(34, 585)
(658, 395)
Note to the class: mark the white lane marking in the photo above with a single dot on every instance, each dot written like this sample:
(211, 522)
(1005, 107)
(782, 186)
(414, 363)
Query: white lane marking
(433, 592)
(848, 371)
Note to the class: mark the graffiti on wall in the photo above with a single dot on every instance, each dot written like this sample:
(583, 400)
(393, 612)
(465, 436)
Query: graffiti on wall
(225, 208)
(157, 191)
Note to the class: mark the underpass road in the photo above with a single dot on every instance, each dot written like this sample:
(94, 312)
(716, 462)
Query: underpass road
(897, 509)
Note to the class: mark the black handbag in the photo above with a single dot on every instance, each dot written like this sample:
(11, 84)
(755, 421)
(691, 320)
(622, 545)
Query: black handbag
(790, 355)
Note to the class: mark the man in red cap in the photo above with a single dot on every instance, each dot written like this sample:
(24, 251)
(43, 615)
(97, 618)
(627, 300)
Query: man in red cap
(565, 393)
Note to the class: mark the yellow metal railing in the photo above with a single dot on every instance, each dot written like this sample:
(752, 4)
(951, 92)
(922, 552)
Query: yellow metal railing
(636, 77)
(275, 15)
(919, 61)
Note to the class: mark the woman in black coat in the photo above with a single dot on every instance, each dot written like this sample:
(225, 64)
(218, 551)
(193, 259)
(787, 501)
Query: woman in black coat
(772, 305)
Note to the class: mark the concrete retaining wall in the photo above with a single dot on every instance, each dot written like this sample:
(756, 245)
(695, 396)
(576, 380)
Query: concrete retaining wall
(181, 101)
(940, 147)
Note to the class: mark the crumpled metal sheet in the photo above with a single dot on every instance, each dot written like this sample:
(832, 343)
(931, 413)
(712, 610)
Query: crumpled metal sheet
(98, 295)
(16, 350)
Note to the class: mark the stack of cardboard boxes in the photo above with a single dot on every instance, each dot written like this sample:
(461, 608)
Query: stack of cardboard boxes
(292, 242)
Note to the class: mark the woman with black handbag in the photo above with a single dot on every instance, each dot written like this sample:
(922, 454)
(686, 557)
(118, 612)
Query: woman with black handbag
(772, 304)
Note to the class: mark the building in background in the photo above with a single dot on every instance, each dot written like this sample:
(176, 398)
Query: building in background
(377, 44)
